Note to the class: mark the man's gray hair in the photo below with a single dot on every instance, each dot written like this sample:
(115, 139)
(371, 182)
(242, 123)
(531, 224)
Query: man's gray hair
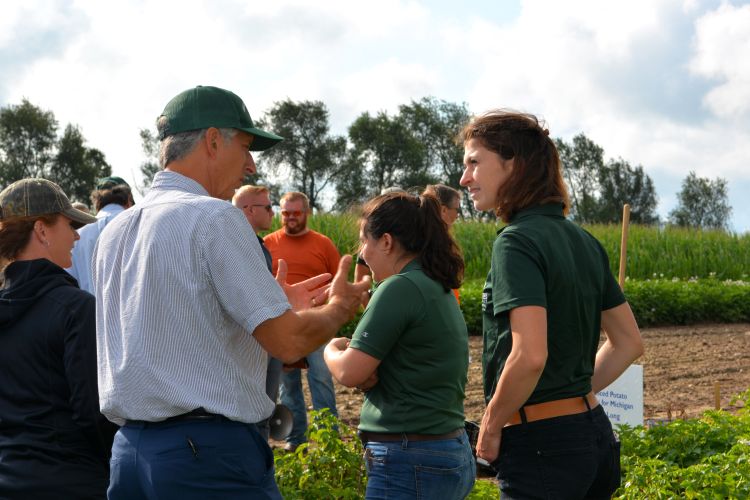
(177, 146)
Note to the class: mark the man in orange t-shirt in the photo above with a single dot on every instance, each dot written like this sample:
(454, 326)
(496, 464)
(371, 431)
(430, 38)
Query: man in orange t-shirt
(307, 254)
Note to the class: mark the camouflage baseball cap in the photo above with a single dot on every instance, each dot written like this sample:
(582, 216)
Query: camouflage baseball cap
(30, 197)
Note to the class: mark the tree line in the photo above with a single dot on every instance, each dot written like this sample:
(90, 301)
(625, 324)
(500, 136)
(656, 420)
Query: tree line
(30, 147)
(412, 147)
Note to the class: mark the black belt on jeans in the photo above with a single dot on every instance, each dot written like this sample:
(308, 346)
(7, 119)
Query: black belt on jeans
(198, 414)
(366, 436)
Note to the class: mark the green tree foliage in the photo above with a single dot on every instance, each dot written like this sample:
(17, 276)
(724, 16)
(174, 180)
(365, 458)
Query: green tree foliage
(619, 183)
(309, 156)
(27, 142)
(385, 153)
(437, 124)
(76, 168)
(581, 163)
(598, 190)
(149, 166)
(29, 147)
(702, 203)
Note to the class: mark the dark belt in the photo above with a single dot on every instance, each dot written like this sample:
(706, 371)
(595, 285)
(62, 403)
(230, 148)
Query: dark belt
(367, 437)
(199, 414)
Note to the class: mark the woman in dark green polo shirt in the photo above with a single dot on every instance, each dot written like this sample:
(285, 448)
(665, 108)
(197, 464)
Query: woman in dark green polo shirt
(410, 349)
(548, 294)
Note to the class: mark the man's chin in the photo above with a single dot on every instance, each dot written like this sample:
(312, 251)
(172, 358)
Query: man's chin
(292, 230)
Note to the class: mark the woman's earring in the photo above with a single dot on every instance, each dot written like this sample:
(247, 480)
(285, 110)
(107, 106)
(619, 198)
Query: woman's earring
(46, 243)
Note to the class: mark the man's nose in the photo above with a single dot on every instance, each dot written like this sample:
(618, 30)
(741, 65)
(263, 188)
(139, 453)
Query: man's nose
(465, 178)
(250, 167)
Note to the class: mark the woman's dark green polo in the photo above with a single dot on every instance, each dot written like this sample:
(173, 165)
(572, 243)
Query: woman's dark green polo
(417, 330)
(542, 259)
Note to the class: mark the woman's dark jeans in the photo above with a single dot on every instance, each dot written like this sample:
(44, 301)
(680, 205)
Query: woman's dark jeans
(569, 457)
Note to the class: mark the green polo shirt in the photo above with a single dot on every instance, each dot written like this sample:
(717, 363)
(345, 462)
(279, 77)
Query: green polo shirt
(542, 259)
(417, 331)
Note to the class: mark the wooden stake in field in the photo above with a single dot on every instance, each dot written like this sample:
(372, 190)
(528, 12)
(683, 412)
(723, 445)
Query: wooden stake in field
(624, 244)
(717, 395)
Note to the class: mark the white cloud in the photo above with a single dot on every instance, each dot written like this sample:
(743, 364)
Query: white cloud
(662, 83)
(385, 86)
(722, 51)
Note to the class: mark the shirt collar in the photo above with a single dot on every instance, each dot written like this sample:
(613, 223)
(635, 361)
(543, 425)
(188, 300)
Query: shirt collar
(413, 265)
(548, 209)
(111, 209)
(168, 180)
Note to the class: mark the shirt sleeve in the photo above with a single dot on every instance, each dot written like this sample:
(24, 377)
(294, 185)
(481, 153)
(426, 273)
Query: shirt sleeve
(237, 269)
(517, 274)
(389, 313)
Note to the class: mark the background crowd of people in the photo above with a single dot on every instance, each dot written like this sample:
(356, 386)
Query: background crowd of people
(144, 353)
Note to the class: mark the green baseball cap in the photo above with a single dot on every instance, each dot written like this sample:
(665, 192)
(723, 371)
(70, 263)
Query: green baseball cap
(30, 197)
(203, 107)
(110, 182)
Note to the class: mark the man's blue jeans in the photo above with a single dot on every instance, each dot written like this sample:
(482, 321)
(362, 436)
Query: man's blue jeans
(273, 380)
(405, 469)
(191, 459)
(574, 456)
(321, 389)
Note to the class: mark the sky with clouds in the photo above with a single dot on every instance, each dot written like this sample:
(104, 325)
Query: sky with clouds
(661, 83)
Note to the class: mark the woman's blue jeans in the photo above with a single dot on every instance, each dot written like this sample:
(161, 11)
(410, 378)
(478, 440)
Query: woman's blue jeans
(322, 392)
(442, 469)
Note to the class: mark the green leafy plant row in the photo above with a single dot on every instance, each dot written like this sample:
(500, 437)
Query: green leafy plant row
(707, 457)
(330, 464)
(653, 252)
(654, 302)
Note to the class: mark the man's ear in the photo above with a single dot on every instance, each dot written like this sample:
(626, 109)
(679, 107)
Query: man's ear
(212, 140)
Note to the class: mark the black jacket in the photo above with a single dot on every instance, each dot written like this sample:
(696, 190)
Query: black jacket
(54, 442)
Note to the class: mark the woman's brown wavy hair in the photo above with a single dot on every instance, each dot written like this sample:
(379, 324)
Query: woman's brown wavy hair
(536, 178)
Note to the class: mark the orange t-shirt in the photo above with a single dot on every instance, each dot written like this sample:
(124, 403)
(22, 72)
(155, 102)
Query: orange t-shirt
(306, 256)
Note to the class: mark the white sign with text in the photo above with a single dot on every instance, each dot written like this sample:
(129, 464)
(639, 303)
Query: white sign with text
(622, 400)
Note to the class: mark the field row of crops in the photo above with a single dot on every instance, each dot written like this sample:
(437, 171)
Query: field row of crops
(706, 457)
(653, 253)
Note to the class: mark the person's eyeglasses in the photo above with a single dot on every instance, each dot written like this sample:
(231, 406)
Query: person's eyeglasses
(268, 208)
(291, 213)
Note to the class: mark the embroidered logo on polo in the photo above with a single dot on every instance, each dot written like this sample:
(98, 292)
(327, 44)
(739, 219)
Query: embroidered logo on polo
(487, 300)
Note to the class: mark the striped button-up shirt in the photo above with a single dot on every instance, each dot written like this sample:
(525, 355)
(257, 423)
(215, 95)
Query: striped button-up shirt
(84, 248)
(181, 284)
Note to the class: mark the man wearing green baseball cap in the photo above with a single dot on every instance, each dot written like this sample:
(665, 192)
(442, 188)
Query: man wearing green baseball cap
(187, 314)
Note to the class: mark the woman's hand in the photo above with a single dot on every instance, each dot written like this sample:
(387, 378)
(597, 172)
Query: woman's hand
(368, 384)
(350, 366)
(488, 442)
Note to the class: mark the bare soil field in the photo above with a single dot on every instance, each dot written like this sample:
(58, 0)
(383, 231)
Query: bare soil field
(680, 369)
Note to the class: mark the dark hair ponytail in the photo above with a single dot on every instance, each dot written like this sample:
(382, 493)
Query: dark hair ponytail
(415, 222)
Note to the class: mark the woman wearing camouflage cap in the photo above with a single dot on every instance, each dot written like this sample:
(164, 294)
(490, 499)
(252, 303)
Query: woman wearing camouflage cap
(54, 443)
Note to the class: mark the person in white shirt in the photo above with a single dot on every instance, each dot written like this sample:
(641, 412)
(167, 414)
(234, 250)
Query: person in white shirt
(111, 197)
(187, 314)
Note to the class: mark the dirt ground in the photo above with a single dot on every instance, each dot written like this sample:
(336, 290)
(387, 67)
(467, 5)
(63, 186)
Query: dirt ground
(680, 369)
